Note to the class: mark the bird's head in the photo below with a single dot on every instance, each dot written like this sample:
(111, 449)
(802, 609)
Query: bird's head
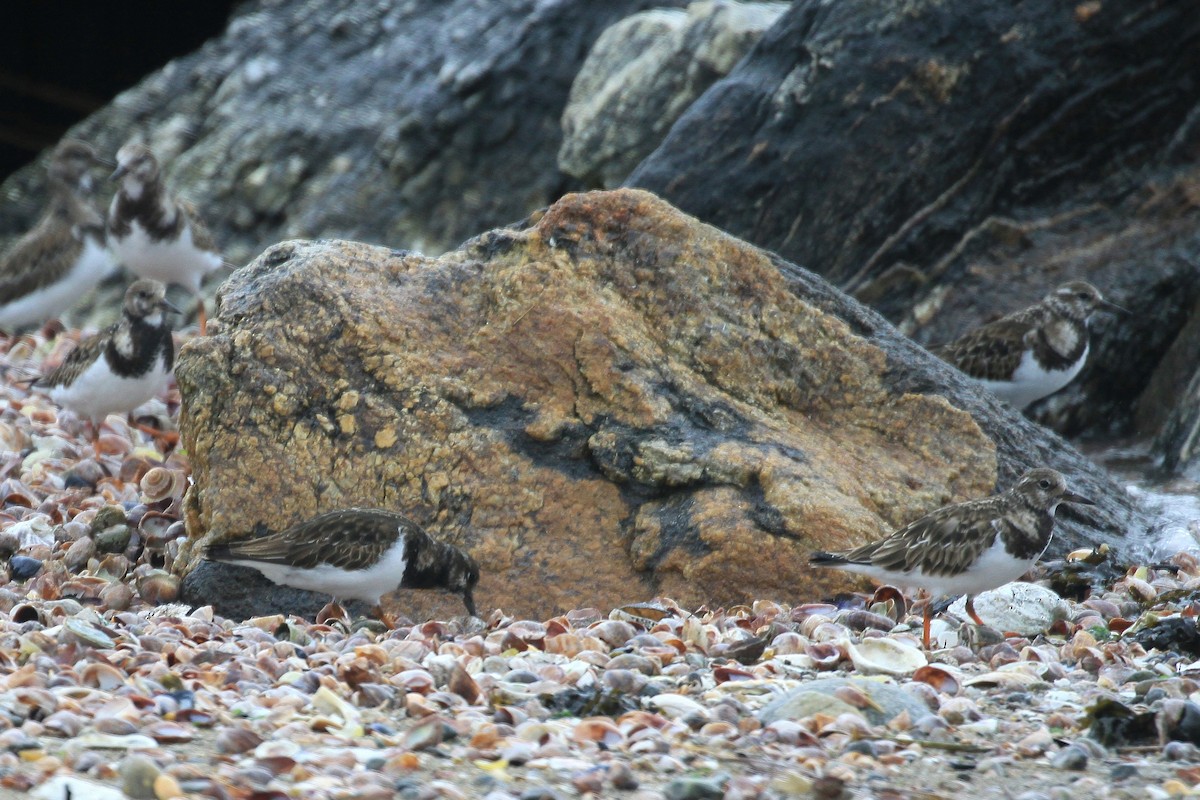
(463, 575)
(1079, 300)
(1046, 488)
(136, 166)
(146, 298)
(71, 164)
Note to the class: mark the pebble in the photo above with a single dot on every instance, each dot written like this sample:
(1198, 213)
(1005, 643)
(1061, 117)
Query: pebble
(138, 776)
(1071, 758)
(695, 788)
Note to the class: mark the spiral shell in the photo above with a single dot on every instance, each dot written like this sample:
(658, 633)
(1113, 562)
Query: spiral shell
(161, 483)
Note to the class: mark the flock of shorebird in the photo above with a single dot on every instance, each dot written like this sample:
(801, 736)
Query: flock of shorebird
(361, 554)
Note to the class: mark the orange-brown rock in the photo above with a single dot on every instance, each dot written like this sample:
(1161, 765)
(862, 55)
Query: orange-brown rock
(612, 403)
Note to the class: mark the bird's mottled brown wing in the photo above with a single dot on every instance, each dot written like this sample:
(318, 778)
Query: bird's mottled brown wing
(350, 538)
(201, 236)
(78, 360)
(992, 352)
(38, 259)
(945, 542)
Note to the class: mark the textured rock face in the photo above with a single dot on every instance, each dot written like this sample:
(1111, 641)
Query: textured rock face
(399, 123)
(643, 73)
(612, 403)
(947, 178)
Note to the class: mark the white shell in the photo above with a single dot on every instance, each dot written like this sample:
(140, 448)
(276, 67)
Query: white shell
(885, 657)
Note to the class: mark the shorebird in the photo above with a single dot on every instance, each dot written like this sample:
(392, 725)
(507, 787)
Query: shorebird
(121, 367)
(157, 235)
(356, 554)
(965, 548)
(1031, 353)
(63, 257)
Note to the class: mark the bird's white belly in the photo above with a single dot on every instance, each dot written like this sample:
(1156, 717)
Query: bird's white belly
(176, 261)
(93, 263)
(1032, 382)
(98, 392)
(995, 567)
(368, 585)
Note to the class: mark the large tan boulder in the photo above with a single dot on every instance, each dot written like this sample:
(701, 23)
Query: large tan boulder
(613, 403)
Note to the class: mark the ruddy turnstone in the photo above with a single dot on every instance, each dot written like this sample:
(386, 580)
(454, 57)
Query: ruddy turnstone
(1031, 353)
(121, 367)
(356, 554)
(965, 548)
(63, 256)
(155, 234)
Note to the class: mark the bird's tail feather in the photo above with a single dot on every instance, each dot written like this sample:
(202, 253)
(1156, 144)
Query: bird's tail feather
(823, 559)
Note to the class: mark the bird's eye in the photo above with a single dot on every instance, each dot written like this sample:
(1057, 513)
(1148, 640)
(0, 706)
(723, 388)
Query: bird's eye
(1044, 484)
(1084, 296)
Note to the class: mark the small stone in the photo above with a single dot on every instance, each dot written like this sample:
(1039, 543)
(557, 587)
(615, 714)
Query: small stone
(621, 776)
(1036, 743)
(695, 788)
(589, 780)
(78, 554)
(1123, 772)
(1181, 751)
(116, 596)
(108, 516)
(1072, 758)
(23, 567)
(113, 539)
(166, 787)
(540, 793)
(138, 774)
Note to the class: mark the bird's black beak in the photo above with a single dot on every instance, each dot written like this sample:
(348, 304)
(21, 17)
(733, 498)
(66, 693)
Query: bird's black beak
(119, 172)
(1071, 497)
(169, 306)
(469, 602)
(1114, 308)
(107, 163)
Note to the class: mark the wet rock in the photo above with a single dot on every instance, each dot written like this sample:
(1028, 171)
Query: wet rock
(642, 73)
(23, 567)
(937, 242)
(1171, 635)
(703, 415)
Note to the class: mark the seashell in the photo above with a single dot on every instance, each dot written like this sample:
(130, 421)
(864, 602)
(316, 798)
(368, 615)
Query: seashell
(101, 676)
(787, 643)
(824, 655)
(106, 741)
(939, 677)
(113, 539)
(1008, 679)
(613, 632)
(162, 483)
(134, 467)
(86, 632)
(463, 685)
(677, 705)
(113, 567)
(116, 596)
(114, 726)
(598, 729)
(26, 612)
(237, 739)
(168, 732)
(886, 657)
(67, 724)
(859, 620)
(1141, 590)
(79, 553)
(158, 587)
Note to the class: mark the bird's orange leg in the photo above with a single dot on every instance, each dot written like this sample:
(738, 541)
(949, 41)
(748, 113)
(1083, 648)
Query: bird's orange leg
(971, 610)
(202, 316)
(925, 627)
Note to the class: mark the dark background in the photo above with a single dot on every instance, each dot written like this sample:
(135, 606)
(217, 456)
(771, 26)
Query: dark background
(61, 61)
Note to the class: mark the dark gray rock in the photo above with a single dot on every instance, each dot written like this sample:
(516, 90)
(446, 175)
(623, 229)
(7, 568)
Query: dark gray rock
(643, 73)
(946, 178)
